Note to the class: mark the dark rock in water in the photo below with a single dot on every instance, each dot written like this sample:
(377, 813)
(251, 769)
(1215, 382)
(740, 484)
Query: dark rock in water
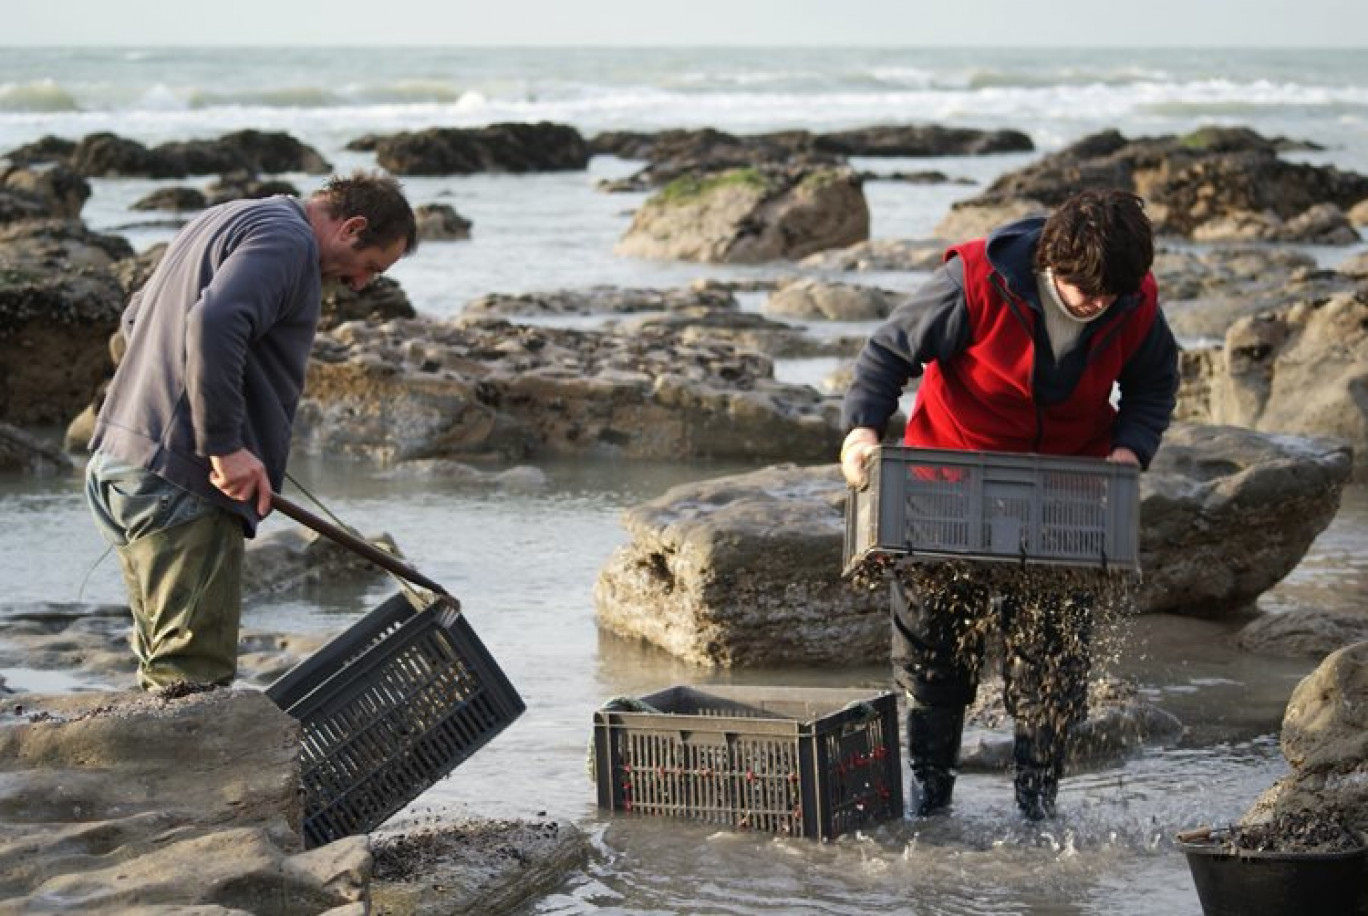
(601, 300)
(177, 200)
(60, 245)
(54, 333)
(46, 149)
(1208, 184)
(517, 148)
(20, 451)
(54, 191)
(291, 559)
(246, 186)
(482, 866)
(252, 151)
(107, 155)
(925, 140)
(381, 300)
(441, 223)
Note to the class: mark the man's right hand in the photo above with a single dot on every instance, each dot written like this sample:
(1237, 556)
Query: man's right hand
(855, 451)
(241, 476)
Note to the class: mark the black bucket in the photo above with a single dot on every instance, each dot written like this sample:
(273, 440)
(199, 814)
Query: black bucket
(1242, 882)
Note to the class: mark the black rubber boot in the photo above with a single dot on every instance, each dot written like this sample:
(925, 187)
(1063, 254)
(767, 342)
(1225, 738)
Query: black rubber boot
(933, 744)
(1039, 762)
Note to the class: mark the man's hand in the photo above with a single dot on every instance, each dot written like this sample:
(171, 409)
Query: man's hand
(1122, 455)
(241, 476)
(855, 451)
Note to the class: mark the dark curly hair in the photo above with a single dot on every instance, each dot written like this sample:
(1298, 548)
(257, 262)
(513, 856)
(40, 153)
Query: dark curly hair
(380, 199)
(1098, 241)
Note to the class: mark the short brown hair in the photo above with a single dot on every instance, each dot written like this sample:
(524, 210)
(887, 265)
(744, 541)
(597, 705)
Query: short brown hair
(1098, 241)
(380, 199)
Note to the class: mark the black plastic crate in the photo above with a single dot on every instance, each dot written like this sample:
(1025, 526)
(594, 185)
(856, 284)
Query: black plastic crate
(1042, 509)
(811, 762)
(388, 708)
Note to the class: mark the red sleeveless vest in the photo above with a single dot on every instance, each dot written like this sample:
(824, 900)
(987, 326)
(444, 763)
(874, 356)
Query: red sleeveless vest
(984, 399)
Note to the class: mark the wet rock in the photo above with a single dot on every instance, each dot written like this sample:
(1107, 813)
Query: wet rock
(523, 478)
(476, 867)
(89, 643)
(515, 148)
(107, 155)
(176, 200)
(1205, 292)
(745, 570)
(60, 245)
(245, 185)
(383, 299)
(1299, 369)
(744, 331)
(1216, 182)
(879, 254)
(20, 451)
(247, 151)
(1325, 740)
(676, 153)
(1306, 632)
(289, 559)
(1119, 722)
(127, 800)
(923, 140)
(419, 389)
(54, 332)
(55, 191)
(1227, 512)
(751, 215)
(815, 299)
(441, 223)
(601, 300)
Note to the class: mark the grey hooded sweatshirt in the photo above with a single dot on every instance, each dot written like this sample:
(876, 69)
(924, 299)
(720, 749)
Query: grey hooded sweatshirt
(218, 344)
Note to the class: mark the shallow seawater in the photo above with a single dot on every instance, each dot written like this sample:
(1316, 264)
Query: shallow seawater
(523, 563)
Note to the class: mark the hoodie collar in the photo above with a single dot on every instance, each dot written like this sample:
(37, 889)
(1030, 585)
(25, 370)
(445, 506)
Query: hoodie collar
(1011, 252)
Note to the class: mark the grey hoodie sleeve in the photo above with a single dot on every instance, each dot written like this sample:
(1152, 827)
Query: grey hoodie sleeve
(933, 323)
(245, 297)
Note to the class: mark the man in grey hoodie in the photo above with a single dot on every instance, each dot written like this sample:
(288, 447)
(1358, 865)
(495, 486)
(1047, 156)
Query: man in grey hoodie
(195, 430)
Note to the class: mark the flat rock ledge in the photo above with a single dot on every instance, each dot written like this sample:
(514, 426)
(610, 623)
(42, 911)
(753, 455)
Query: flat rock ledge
(745, 570)
(419, 389)
(129, 803)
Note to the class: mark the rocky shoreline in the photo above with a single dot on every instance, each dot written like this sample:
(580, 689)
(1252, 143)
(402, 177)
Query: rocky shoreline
(119, 802)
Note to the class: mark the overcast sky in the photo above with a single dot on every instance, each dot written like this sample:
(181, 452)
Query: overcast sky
(1054, 23)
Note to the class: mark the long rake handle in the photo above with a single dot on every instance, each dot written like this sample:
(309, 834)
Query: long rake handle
(369, 551)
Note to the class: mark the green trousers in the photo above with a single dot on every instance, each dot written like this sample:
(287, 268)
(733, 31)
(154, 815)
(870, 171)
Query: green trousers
(182, 568)
(185, 590)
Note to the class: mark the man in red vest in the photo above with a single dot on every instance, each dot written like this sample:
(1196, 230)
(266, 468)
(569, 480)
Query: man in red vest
(1019, 339)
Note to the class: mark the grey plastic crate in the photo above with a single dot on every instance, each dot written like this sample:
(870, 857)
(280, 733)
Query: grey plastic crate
(995, 506)
(387, 709)
(811, 762)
